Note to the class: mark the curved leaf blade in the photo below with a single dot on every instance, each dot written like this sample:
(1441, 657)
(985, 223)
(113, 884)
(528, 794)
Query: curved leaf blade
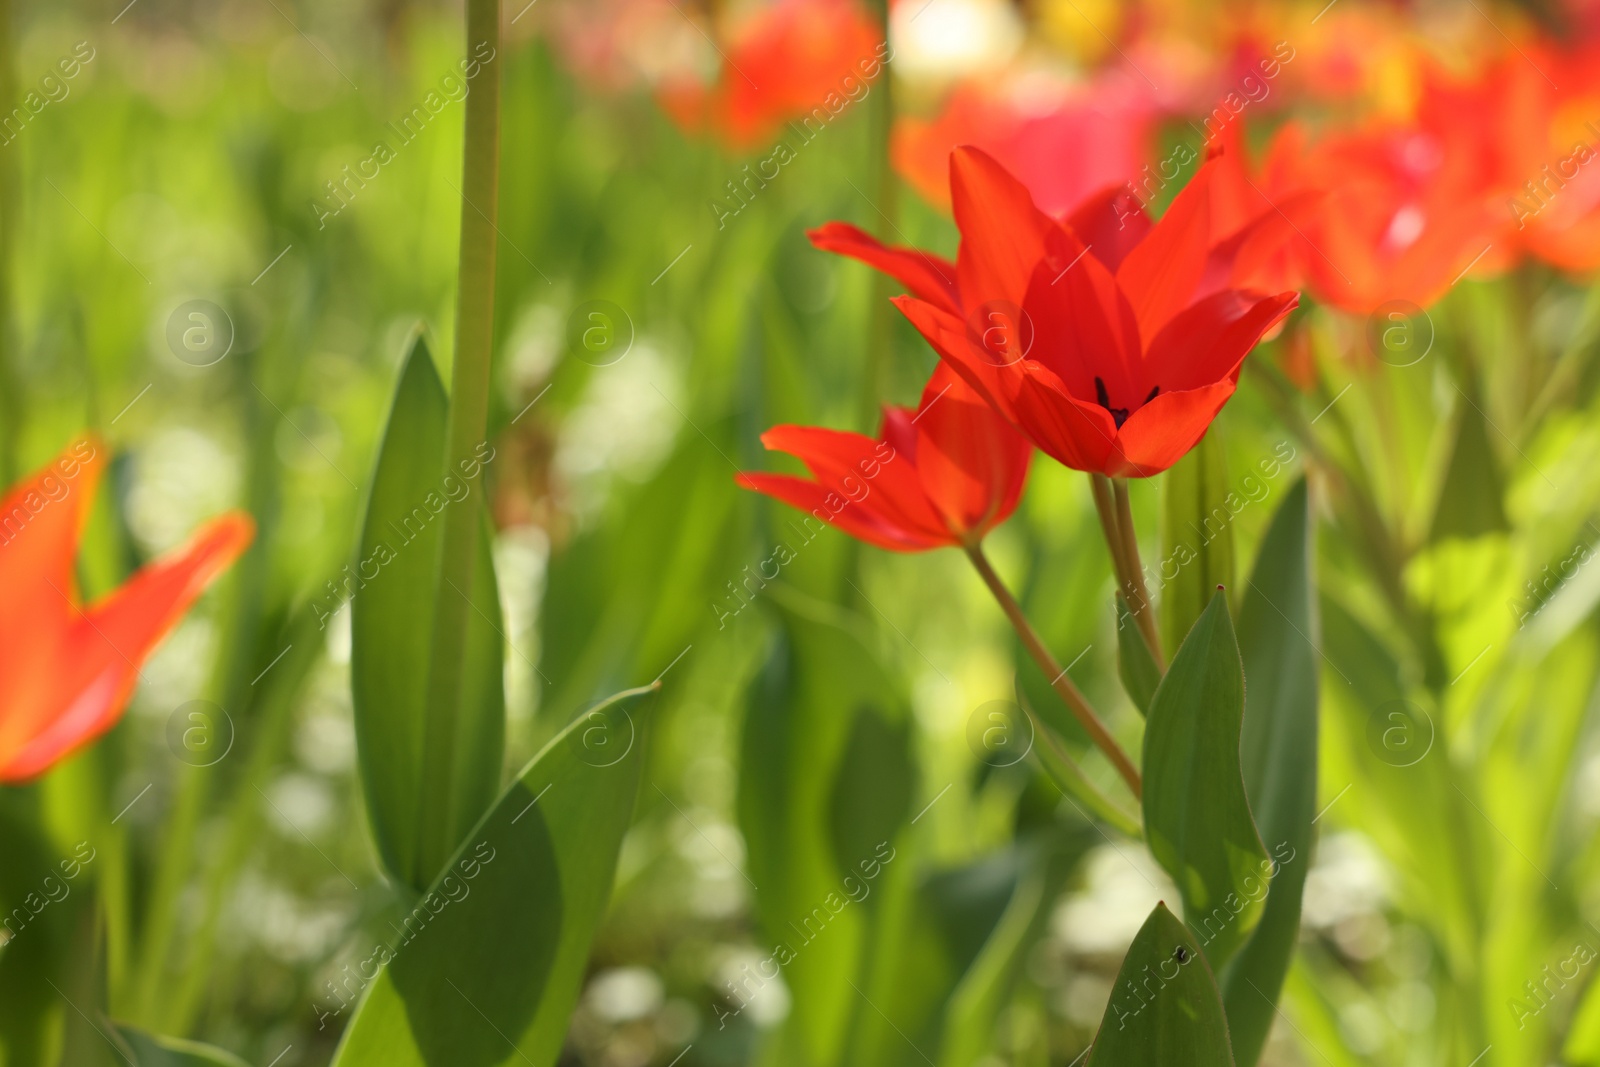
(1135, 665)
(392, 590)
(1277, 628)
(1196, 816)
(151, 1050)
(1165, 1010)
(488, 966)
(1196, 533)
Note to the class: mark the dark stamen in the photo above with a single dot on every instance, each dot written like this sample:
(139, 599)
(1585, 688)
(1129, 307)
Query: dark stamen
(1119, 415)
(1152, 395)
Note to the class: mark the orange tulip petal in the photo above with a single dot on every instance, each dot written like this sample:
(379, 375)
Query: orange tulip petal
(86, 672)
(930, 277)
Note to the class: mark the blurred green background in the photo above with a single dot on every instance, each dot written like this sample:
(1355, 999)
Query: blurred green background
(185, 162)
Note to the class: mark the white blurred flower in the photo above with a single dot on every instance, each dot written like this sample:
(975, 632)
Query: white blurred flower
(622, 428)
(623, 994)
(1348, 879)
(949, 39)
(1122, 885)
(181, 477)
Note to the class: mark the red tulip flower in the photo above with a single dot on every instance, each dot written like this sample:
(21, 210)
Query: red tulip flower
(1073, 142)
(1406, 211)
(1110, 341)
(945, 473)
(786, 59)
(66, 671)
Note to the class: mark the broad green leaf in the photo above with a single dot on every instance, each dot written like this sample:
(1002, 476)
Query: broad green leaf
(816, 809)
(1196, 537)
(1582, 1046)
(1135, 664)
(981, 995)
(391, 590)
(488, 965)
(1196, 817)
(149, 1050)
(1164, 1009)
(872, 787)
(1470, 499)
(39, 906)
(1277, 628)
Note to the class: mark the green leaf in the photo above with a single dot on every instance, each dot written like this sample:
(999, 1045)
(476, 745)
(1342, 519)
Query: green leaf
(1196, 536)
(1164, 1010)
(1052, 757)
(1582, 1045)
(1138, 669)
(1196, 817)
(1470, 500)
(981, 995)
(1277, 627)
(391, 589)
(489, 963)
(804, 778)
(149, 1050)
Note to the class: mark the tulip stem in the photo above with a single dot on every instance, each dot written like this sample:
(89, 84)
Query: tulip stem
(1143, 611)
(467, 427)
(1074, 698)
(1116, 521)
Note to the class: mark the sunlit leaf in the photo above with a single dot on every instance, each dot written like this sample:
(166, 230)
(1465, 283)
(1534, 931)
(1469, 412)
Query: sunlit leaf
(814, 812)
(1470, 500)
(488, 965)
(1196, 817)
(1196, 536)
(1277, 627)
(1164, 1009)
(391, 589)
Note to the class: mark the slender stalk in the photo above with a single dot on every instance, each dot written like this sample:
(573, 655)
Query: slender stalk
(880, 357)
(1105, 506)
(1075, 700)
(1064, 772)
(469, 415)
(12, 402)
(1143, 611)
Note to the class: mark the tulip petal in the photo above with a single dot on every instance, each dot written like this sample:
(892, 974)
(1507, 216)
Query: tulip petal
(930, 277)
(1083, 328)
(96, 660)
(1002, 232)
(41, 520)
(972, 464)
(1207, 342)
(851, 518)
(1111, 223)
(1027, 393)
(1163, 431)
(1160, 276)
(854, 467)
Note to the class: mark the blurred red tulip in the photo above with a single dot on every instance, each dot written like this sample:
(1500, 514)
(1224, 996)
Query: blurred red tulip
(1405, 211)
(66, 672)
(1110, 341)
(1542, 145)
(945, 473)
(1062, 143)
(785, 60)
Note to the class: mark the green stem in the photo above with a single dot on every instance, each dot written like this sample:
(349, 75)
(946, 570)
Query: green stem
(1068, 777)
(469, 416)
(1063, 685)
(875, 386)
(12, 401)
(1116, 521)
